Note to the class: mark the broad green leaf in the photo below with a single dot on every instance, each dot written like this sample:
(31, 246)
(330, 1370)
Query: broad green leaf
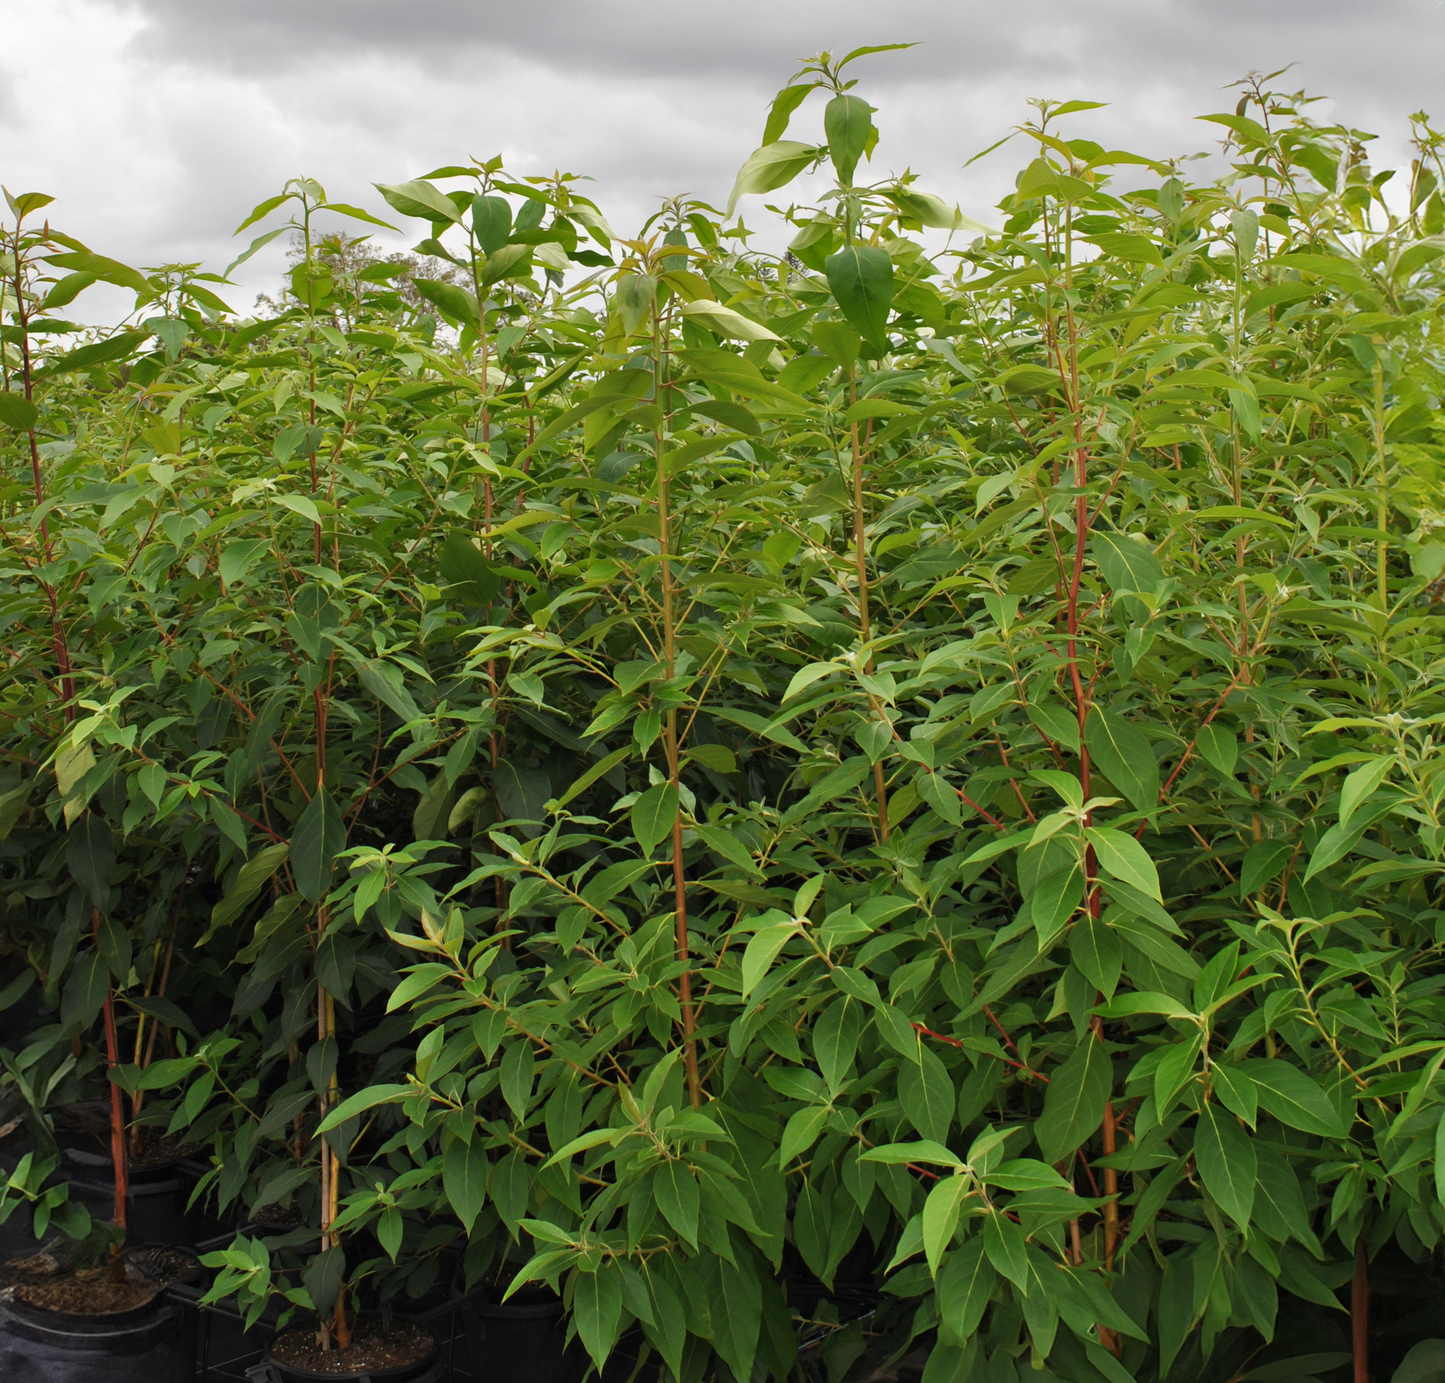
(654, 815)
(1224, 1153)
(726, 322)
(420, 199)
(966, 1282)
(250, 879)
(762, 950)
(1003, 1242)
(927, 1095)
(1074, 1103)
(774, 165)
(940, 1217)
(860, 278)
(1294, 1098)
(17, 412)
(360, 1102)
(782, 108)
(597, 1309)
(465, 1168)
(90, 857)
(902, 1153)
(835, 1040)
(1127, 563)
(319, 836)
(1219, 747)
(847, 122)
(1124, 755)
(1359, 785)
(676, 1192)
(1122, 856)
(491, 222)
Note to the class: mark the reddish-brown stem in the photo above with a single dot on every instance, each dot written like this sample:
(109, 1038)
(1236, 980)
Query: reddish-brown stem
(117, 1110)
(1360, 1312)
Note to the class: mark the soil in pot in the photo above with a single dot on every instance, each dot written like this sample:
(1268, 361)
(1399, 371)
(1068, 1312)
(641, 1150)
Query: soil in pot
(89, 1293)
(371, 1350)
(157, 1152)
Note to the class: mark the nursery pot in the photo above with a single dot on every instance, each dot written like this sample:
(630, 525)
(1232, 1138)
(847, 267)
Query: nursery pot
(430, 1369)
(522, 1340)
(155, 1209)
(143, 1345)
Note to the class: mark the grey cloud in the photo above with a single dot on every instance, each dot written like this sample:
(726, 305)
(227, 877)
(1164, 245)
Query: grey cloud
(201, 109)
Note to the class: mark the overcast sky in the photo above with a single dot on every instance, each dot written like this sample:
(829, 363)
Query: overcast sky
(158, 124)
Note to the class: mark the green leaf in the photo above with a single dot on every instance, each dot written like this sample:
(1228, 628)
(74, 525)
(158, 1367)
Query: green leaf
(519, 1068)
(1224, 1153)
(84, 993)
(522, 794)
(861, 280)
(1096, 950)
(387, 684)
(467, 573)
(966, 1282)
(1122, 856)
(676, 1191)
(801, 1133)
(465, 1168)
(250, 879)
(1294, 1098)
(1124, 755)
(1074, 1102)
(238, 558)
(1003, 1242)
(940, 1217)
(762, 950)
(1262, 862)
(90, 857)
(1220, 748)
(653, 816)
(1358, 786)
(1126, 563)
(847, 123)
(491, 222)
(773, 166)
(737, 1316)
(726, 322)
(782, 108)
(903, 1153)
(597, 1310)
(455, 304)
(117, 347)
(419, 199)
(927, 1095)
(835, 1041)
(319, 836)
(360, 1102)
(17, 412)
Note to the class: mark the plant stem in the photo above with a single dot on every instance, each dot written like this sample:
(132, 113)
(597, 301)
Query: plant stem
(1360, 1312)
(865, 631)
(670, 741)
(117, 1109)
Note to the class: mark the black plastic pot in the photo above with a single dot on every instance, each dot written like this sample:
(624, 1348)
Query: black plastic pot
(522, 1340)
(156, 1203)
(147, 1345)
(429, 1370)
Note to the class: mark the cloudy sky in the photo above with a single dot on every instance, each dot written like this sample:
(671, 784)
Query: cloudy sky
(159, 123)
